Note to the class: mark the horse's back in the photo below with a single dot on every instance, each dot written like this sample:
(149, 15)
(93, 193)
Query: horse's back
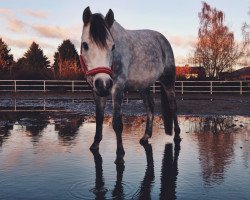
(152, 57)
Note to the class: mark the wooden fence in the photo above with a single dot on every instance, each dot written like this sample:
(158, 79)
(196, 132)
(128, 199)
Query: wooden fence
(181, 87)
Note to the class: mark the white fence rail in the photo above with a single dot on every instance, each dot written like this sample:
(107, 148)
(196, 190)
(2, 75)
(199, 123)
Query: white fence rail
(183, 87)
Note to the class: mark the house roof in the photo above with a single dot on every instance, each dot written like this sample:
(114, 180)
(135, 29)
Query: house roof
(245, 70)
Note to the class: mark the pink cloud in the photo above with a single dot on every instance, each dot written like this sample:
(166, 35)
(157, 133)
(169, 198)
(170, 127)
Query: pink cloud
(51, 31)
(37, 14)
(12, 22)
(25, 43)
(15, 25)
(182, 41)
(58, 32)
(5, 11)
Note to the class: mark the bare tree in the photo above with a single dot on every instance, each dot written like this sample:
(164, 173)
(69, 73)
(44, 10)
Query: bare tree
(245, 61)
(216, 49)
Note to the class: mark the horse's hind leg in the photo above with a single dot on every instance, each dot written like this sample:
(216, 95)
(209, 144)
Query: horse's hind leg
(169, 110)
(149, 104)
(100, 105)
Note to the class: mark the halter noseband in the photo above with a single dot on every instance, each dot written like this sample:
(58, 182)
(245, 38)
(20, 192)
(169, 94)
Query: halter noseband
(88, 74)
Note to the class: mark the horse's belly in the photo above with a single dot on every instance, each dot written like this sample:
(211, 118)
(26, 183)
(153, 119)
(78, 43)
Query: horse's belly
(139, 83)
(142, 77)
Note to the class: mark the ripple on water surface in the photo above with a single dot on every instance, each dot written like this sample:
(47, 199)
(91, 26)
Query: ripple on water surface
(88, 189)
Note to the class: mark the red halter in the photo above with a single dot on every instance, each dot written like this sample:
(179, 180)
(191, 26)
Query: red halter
(88, 74)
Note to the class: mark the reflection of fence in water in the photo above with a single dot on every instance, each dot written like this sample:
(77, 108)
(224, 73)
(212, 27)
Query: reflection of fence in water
(29, 105)
(209, 87)
(44, 104)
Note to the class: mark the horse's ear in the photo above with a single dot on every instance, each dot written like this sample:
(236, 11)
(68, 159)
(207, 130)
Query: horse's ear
(86, 15)
(110, 18)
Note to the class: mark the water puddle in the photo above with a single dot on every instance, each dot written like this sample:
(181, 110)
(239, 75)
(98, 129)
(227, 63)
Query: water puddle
(45, 155)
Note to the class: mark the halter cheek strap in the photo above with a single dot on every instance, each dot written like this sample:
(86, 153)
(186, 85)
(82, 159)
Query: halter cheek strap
(88, 74)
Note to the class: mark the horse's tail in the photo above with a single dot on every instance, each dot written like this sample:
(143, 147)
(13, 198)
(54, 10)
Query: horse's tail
(166, 112)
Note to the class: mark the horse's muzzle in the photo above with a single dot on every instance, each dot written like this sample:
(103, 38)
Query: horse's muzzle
(103, 87)
(89, 74)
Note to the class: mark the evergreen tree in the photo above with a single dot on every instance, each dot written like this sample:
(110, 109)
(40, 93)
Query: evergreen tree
(66, 60)
(56, 63)
(33, 65)
(35, 58)
(6, 59)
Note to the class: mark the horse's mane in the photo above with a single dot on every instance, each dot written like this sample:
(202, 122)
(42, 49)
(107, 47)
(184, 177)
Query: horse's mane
(99, 30)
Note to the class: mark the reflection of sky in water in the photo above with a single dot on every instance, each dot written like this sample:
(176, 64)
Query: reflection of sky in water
(47, 155)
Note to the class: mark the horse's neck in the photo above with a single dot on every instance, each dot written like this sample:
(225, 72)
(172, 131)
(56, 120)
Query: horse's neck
(117, 31)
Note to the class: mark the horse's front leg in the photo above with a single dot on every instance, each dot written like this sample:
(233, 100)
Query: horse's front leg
(100, 105)
(117, 98)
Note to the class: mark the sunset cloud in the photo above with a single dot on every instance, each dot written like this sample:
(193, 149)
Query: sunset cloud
(25, 43)
(15, 25)
(58, 32)
(12, 22)
(37, 14)
(5, 11)
(51, 31)
(182, 41)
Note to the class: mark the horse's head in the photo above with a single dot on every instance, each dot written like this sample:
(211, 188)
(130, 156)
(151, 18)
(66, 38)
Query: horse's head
(97, 45)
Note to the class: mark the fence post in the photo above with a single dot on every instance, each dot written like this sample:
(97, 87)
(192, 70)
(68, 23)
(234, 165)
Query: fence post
(241, 87)
(44, 86)
(72, 86)
(182, 90)
(211, 87)
(15, 86)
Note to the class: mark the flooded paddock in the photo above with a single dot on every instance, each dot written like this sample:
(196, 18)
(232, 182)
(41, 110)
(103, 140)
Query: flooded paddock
(45, 155)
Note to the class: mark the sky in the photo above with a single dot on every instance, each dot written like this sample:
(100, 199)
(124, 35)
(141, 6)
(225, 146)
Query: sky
(49, 22)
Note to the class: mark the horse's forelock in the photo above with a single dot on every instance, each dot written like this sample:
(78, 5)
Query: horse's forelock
(99, 30)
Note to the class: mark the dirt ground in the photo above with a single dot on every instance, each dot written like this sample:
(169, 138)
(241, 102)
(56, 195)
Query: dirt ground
(200, 104)
(188, 104)
(226, 104)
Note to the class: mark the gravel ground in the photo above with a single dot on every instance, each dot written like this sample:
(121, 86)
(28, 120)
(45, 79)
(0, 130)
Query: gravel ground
(191, 104)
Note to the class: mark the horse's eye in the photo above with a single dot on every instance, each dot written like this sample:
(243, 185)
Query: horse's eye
(85, 46)
(113, 47)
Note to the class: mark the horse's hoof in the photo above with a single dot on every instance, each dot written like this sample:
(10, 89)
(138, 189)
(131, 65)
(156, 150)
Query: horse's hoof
(94, 146)
(177, 139)
(119, 161)
(144, 139)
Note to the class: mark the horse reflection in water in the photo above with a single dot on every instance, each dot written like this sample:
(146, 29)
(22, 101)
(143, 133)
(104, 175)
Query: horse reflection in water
(146, 184)
(169, 172)
(99, 190)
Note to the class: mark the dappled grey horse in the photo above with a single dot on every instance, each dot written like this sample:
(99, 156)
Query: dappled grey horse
(114, 59)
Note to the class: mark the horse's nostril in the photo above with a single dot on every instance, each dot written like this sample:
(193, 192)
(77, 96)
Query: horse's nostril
(98, 83)
(110, 84)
